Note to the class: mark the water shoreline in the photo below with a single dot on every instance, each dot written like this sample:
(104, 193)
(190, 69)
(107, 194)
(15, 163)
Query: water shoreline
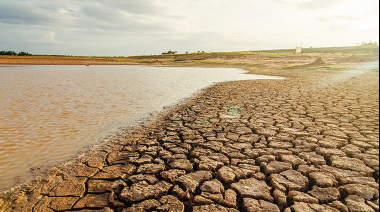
(96, 101)
(167, 130)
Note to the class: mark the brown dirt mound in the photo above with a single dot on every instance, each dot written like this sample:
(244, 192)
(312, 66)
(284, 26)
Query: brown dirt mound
(319, 61)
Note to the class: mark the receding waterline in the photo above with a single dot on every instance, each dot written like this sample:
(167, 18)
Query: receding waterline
(48, 113)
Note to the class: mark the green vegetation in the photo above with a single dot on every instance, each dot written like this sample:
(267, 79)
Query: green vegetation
(12, 53)
(234, 111)
(362, 49)
(8, 53)
(268, 62)
(333, 68)
(170, 52)
(330, 68)
(370, 43)
(23, 54)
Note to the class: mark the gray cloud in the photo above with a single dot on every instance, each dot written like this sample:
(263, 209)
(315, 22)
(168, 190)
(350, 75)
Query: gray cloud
(133, 6)
(130, 27)
(99, 15)
(15, 12)
(111, 18)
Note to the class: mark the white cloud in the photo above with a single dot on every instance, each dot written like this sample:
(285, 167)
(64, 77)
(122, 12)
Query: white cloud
(318, 4)
(118, 27)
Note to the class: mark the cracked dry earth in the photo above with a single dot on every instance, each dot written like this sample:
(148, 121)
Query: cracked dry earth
(284, 147)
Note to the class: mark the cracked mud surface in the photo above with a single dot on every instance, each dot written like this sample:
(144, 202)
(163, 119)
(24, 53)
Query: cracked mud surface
(238, 146)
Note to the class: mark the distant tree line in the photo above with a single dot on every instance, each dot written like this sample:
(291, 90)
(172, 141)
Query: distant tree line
(14, 53)
(175, 52)
(170, 52)
(368, 44)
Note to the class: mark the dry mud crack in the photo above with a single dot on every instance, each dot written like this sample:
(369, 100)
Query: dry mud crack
(287, 147)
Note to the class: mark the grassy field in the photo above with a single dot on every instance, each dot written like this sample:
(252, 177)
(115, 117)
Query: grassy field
(264, 62)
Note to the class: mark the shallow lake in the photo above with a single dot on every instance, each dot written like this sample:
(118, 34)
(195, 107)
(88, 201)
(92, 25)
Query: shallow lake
(49, 113)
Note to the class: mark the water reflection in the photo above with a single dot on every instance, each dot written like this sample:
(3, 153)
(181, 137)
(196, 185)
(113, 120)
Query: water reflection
(48, 113)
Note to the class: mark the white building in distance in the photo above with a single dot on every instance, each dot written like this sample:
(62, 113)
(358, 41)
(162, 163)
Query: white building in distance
(299, 49)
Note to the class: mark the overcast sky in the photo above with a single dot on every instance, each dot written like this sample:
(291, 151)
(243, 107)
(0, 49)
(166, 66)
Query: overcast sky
(140, 27)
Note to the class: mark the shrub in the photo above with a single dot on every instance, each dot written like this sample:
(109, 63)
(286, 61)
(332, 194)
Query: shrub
(8, 53)
(170, 52)
(370, 43)
(23, 53)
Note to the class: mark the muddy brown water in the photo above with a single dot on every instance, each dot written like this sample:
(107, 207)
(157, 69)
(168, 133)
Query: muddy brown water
(49, 113)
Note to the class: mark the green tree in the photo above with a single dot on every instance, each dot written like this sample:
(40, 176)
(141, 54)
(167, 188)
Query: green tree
(8, 53)
(170, 52)
(370, 43)
(23, 53)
